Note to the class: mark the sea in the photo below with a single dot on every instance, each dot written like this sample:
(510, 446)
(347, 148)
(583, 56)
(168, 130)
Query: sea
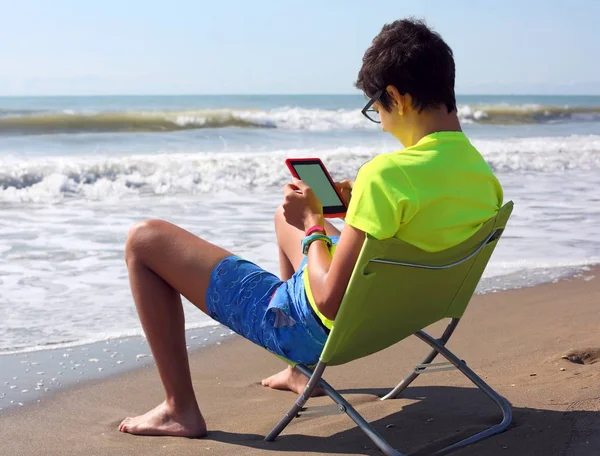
(77, 172)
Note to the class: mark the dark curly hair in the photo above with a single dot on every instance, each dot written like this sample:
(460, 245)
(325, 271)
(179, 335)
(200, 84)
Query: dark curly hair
(414, 59)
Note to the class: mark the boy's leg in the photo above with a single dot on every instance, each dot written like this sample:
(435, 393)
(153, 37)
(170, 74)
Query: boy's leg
(290, 257)
(288, 241)
(165, 261)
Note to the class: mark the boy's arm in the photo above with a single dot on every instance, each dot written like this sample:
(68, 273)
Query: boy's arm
(329, 277)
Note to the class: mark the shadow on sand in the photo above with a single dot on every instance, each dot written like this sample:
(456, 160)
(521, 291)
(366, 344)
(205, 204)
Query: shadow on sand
(439, 417)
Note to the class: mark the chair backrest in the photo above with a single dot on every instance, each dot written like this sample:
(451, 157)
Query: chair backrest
(397, 289)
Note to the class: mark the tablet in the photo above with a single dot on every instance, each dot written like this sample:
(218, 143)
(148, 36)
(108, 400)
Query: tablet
(315, 175)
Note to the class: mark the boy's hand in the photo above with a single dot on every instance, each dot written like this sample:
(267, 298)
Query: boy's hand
(301, 207)
(345, 188)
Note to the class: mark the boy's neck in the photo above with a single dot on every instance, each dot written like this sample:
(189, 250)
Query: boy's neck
(433, 121)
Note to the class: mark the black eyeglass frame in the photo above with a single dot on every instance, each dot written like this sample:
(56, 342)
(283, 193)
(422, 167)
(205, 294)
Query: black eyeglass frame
(367, 107)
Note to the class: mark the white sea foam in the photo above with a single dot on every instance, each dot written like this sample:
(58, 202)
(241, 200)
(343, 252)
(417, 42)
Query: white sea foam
(98, 336)
(63, 277)
(54, 179)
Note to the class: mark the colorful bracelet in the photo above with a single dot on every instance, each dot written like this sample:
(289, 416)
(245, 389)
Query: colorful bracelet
(308, 240)
(314, 229)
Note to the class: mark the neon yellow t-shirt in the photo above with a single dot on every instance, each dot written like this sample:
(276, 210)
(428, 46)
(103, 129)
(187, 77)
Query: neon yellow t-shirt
(433, 195)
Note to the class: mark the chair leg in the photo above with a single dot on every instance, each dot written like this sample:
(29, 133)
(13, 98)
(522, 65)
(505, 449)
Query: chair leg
(438, 346)
(483, 386)
(314, 378)
(355, 416)
(428, 359)
(409, 378)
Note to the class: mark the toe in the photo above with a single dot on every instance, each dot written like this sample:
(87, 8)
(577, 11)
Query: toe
(123, 424)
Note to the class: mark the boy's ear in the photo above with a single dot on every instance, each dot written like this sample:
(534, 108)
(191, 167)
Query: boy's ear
(397, 99)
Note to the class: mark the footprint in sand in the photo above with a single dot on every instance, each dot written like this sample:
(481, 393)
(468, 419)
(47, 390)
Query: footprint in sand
(583, 355)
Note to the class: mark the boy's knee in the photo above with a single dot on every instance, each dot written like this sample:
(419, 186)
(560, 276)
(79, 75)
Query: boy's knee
(278, 214)
(142, 236)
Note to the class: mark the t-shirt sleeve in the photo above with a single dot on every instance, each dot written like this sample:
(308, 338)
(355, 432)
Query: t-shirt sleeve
(382, 200)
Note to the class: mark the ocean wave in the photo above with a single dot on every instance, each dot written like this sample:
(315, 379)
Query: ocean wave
(527, 114)
(23, 122)
(54, 179)
(122, 122)
(18, 112)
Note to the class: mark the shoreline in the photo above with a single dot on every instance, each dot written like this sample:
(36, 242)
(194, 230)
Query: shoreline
(30, 376)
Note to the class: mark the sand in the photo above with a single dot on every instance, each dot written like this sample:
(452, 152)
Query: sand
(515, 340)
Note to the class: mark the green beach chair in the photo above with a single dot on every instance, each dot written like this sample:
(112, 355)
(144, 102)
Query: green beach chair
(395, 291)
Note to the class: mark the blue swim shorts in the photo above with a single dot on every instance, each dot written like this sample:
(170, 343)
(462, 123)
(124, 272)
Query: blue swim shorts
(261, 307)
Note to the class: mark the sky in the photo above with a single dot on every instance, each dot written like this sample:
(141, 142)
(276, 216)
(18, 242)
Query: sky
(94, 47)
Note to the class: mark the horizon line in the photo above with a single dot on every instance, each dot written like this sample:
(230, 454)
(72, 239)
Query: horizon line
(277, 94)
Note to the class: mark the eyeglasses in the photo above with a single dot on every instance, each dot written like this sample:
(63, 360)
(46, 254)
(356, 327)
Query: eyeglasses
(371, 113)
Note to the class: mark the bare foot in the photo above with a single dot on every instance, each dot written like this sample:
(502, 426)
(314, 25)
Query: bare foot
(290, 379)
(163, 420)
